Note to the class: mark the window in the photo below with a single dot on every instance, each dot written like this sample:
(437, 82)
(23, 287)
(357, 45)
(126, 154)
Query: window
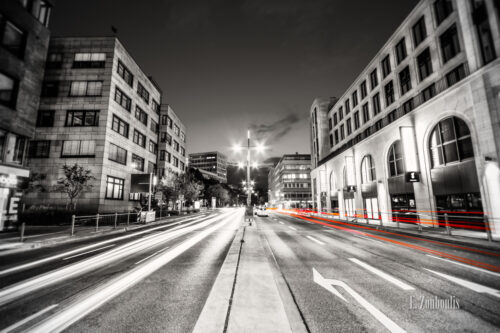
(455, 75)
(450, 141)
(331, 140)
(363, 89)
(330, 124)
(395, 160)
(143, 93)
(39, 149)
(391, 116)
(12, 38)
(442, 9)
(183, 151)
(89, 60)
(151, 167)
(356, 120)
(349, 126)
(168, 157)
(367, 170)
(373, 79)
(389, 93)
(419, 31)
(408, 106)
(354, 99)
(169, 122)
(82, 118)
(429, 92)
(169, 139)
(405, 80)
(386, 66)
(78, 148)
(175, 161)
(162, 155)
(153, 147)
(336, 136)
(19, 149)
(182, 166)
(481, 21)
(163, 136)
(378, 125)
(366, 113)
(176, 145)
(54, 60)
(376, 104)
(450, 46)
(117, 154)
(335, 120)
(176, 130)
(347, 106)
(141, 115)
(341, 114)
(154, 126)
(163, 120)
(45, 118)
(139, 139)
(342, 132)
(85, 88)
(49, 89)
(155, 105)
(137, 162)
(44, 13)
(122, 99)
(424, 64)
(401, 50)
(114, 188)
(120, 126)
(124, 73)
(8, 90)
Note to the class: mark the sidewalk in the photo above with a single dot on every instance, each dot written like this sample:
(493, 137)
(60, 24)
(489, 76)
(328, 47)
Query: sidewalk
(458, 236)
(51, 235)
(245, 296)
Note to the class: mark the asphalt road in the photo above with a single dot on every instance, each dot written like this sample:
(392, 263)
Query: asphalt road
(156, 279)
(381, 281)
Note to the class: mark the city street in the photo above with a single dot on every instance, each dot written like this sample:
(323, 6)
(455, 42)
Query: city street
(340, 277)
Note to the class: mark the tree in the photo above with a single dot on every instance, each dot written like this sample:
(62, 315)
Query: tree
(219, 192)
(173, 185)
(75, 181)
(35, 183)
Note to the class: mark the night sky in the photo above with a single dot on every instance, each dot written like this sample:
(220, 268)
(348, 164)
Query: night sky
(227, 65)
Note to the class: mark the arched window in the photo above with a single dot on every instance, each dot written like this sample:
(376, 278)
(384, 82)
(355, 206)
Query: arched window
(395, 159)
(367, 170)
(333, 185)
(450, 141)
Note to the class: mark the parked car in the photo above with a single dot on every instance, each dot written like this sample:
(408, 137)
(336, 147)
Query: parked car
(262, 212)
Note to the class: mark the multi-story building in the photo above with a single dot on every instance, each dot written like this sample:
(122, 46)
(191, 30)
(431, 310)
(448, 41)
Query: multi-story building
(290, 182)
(99, 110)
(419, 130)
(24, 39)
(172, 149)
(211, 164)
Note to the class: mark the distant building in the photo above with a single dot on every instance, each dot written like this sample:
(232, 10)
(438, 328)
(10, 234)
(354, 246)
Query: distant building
(290, 182)
(172, 147)
(213, 163)
(24, 40)
(100, 110)
(418, 131)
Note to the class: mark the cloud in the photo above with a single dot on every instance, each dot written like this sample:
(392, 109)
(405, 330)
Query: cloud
(276, 130)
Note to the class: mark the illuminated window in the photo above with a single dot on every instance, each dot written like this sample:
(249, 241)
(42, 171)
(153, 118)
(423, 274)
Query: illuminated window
(450, 142)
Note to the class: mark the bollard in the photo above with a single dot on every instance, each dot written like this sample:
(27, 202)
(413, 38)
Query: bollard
(160, 213)
(23, 226)
(97, 222)
(448, 229)
(487, 228)
(72, 225)
(128, 219)
(116, 218)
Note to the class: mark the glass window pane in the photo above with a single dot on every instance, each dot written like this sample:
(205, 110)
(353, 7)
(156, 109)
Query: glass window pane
(450, 152)
(465, 148)
(13, 38)
(461, 127)
(447, 130)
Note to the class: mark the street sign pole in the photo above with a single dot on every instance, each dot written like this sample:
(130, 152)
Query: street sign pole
(149, 196)
(249, 191)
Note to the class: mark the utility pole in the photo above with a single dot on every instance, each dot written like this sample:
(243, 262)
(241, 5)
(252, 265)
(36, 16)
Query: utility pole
(249, 189)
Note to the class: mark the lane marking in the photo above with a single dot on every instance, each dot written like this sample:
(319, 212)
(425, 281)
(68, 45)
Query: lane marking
(292, 228)
(81, 254)
(382, 318)
(315, 240)
(464, 265)
(281, 222)
(27, 319)
(95, 298)
(383, 275)
(468, 284)
(91, 246)
(137, 263)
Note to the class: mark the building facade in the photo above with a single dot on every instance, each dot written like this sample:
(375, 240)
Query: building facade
(172, 150)
(24, 40)
(211, 164)
(290, 182)
(418, 132)
(99, 110)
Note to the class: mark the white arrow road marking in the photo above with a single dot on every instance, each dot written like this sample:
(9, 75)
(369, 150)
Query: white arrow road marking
(315, 240)
(468, 284)
(292, 228)
(383, 275)
(27, 319)
(464, 265)
(81, 254)
(382, 318)
(97, 297)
